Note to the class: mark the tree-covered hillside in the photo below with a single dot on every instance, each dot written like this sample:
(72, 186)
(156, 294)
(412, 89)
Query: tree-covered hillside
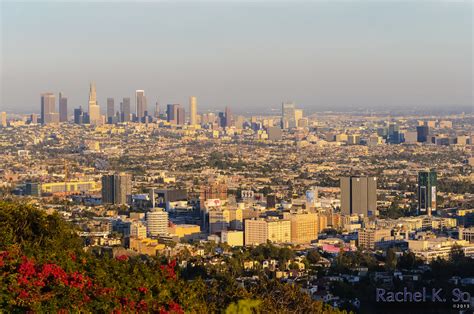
(44, 268)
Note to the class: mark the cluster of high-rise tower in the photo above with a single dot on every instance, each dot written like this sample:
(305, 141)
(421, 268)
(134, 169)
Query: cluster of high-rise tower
(174, 113)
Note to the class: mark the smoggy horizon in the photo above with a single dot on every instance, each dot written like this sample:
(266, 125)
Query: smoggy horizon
(250, 56)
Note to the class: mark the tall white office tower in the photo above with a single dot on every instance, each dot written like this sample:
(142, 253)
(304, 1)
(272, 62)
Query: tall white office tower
(192, 110)
(141, 104)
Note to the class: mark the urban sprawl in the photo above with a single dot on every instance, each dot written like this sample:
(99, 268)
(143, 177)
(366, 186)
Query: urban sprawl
(360, 199)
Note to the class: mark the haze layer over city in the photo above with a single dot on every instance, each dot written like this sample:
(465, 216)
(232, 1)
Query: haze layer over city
(236, 157)
(324, 55)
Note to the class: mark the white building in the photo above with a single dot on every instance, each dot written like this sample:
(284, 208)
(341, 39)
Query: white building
(157, 222)
(137, 230)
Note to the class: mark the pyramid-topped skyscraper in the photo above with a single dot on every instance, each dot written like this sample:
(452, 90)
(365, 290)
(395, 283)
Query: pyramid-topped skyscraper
(94, 109)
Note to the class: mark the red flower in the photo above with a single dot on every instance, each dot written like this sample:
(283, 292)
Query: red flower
(142, 305)
(143, 289)
(122, 258)
(175, 308)
(23, 294)
(22, 280)
(27, 268)
(55, 271)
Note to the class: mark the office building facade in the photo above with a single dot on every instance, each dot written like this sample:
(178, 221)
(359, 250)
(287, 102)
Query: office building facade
(110, 110)
(422, 133)
(63, 112)
(125, 110)
(117, 189)
(48, 109)
(141, 103)
(94, 109)
(157, 222)
(427, 181)
(192, 110)
(359, 196)
(288, 115)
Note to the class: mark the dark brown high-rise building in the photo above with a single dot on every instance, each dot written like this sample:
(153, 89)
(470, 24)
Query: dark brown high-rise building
(181, 115)
(117, 188)
(229, 118)
(359, 196)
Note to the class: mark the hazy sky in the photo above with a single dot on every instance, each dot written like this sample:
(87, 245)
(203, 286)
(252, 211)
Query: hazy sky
(248, 55)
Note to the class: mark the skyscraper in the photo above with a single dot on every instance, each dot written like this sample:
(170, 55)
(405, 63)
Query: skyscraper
(229, 118)
(359, 195)
(422, 133)
(3, 119)
(33, 118)
(125, 110)
(274, 133)
(192, 110)
(78, 116)
(157, 110)
(288, 115)
(110, 110)
(181, 117)
(48, 109)
(427, 181)
(298, 116)
(172, 113)
(63, 114)
(94, 109)
(117, 188)
(141, 104)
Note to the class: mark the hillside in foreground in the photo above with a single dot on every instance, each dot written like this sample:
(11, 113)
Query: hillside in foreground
(44, 268)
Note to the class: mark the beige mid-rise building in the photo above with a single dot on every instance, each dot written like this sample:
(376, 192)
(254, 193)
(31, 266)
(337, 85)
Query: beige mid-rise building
(137, 230)
(367, 238)
(259, 231)
(304, 227)
(233, 237)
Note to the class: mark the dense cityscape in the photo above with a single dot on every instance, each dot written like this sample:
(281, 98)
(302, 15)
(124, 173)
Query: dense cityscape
(334, 205)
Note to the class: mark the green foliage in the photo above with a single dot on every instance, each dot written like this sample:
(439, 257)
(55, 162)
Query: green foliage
(457, 187)
(313, 256)
(245, 306)
(347, 260)
(270, 251)
(457, 254)
(391, 259)
(408, 260)
(35, 231)
(44, 269)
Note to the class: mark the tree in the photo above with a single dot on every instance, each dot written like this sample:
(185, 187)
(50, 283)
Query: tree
(457, 254)
(313, 256)
(43, 268)
(408, 260)
(391, 259)
(245, 306)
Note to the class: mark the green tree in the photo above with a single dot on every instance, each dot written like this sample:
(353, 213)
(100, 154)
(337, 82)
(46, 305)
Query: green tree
(391, 259)
(313, 256)
(245, 306)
